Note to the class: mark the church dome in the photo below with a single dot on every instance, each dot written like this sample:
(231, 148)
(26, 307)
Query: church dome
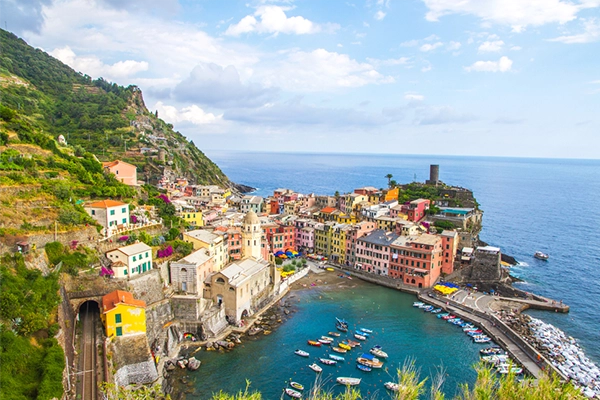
(251, 218)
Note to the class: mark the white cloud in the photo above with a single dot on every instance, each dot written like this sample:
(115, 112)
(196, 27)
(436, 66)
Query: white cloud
(414, 97)
(94, 67)
(490, 47)
(517, 13)
(516, 48)
(320, 70)
(273, 20)
(591, 27)
(389, 62)
(430, 46)
(193, 114)
(436, 115)
(504, 64)
(427, 67)
(453, 46)
(410, 43)
(379, 15)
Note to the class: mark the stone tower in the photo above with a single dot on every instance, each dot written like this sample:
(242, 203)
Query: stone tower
(251, 236)
(434, 175)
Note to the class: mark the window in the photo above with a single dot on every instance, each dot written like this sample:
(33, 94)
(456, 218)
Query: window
(119, 331)
(93, 212)
(118, 319)
(146, 254)
(112, 212)
(124, 220)
(123, 210)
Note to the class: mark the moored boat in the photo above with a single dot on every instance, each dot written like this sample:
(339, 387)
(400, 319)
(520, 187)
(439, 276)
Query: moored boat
(505, 369)
(315, 367)
(363, 368)
(366, 330)
(348, 381)
(293, 393)
(315, 343)
(363, 333)
(442, 315)
(436, 311)
(394, 387)
(336, 358)
(301, 353)
(369, 361)
(335, 334)
(344, 346)
(327, 361)
(482, 339)
(352, 343)
(327, 338)
(418, 304)
(491, 350)
(541, 256)
(338, 349)
(324, 341)
(378, 352)
(341, 328)
(360, 337)
(297, 386)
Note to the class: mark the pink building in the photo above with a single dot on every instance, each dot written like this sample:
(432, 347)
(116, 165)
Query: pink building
(415, 210)
(124, 172)
(305, 235)
(450, 246)
(373, 252)
(358, 231)
(416, 260)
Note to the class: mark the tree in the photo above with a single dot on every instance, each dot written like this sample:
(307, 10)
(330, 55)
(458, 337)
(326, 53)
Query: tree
(389, 178)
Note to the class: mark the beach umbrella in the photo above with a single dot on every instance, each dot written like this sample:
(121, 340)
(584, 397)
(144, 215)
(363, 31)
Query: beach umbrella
(279, 253)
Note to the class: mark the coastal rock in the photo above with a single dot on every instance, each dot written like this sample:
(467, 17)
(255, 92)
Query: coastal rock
(169, 366)
(242, 188)
(193, 364)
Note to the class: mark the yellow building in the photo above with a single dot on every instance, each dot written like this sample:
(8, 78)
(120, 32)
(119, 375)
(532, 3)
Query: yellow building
(123, 315)
(338, 243)
(323, 238)
(193, 218)
(204, 239)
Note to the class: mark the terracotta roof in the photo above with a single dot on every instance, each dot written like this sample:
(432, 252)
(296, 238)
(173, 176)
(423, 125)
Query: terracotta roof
(106, 204)
(116, 162)
(117, 297)
(328, 210)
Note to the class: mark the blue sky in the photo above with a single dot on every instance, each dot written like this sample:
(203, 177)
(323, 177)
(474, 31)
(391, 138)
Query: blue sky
(455, 77)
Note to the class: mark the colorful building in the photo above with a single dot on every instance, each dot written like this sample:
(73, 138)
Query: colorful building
(358, 230)
(416, 260)
(110, 214)
(373, 252)
(130, 260)
(194, 218)
(124, 172)
(188, 274)
(122, 315)
(251, 203)
(339, 233)
(415, 210)
(450, 246)
(204, 239)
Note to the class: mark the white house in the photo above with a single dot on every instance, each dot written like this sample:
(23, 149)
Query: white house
(110, 214)
(130, 260)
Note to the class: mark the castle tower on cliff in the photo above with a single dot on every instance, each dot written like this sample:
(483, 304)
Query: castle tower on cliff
(434, 175)
(251, 236)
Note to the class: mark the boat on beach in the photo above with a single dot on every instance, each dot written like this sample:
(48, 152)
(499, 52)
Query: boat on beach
(348, 381)
(301, 353)
(541, 256)
(293, 393)
(315, 368)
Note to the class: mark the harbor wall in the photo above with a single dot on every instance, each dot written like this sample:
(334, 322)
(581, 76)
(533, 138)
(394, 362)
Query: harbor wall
(378, 279)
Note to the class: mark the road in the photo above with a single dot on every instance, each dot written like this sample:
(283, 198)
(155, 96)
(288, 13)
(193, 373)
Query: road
(87, 384)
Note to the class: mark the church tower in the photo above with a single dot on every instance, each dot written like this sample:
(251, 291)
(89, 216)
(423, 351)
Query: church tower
(251, 236)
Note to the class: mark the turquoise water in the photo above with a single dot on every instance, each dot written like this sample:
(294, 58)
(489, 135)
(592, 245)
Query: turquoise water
(405, 332)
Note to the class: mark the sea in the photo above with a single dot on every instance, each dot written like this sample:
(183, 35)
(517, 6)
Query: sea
(529, 204)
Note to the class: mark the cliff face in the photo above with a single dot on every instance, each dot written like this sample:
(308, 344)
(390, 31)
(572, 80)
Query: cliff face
(48, 97)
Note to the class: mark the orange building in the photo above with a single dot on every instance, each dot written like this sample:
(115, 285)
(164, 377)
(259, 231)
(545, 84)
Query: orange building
(123, 171)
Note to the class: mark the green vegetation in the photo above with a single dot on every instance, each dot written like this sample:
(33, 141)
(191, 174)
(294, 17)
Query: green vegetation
(72, 260)
(42, 96)
(444, 225)
(31, 359)
(413, 191)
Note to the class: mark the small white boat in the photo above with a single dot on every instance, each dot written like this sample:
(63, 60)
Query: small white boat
(378, 352)
(301, 353)
(366, 330)
(360, 337)
(293, 393)
(418, 304)
(394, 387)
(315, 368)
(348, 381)
(505, 369)
(541, 256)
(297, 386)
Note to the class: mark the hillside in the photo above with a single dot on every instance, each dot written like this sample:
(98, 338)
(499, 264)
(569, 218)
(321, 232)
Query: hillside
(42, 97)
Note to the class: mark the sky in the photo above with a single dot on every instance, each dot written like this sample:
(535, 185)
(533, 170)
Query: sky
(451, 77)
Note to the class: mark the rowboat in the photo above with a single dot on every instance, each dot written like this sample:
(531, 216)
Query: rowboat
(293, 393)
(505, 369)
(315, 368)
(341, 328)
(483, 339)
(418, 304)
(491, 350)
(344, 346)
(442, 315)
(348, 381)
(339, 350)
(366, 330)
(334, 334)
(336, 358)
(363, 333)
(301, 353)
(314, 343)
(327, 338)
(394, 387)
(352, 343)
(297, 386)
(325, 341)
(363, 368)
(360, 337)
(327, 361)
(330, 269)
